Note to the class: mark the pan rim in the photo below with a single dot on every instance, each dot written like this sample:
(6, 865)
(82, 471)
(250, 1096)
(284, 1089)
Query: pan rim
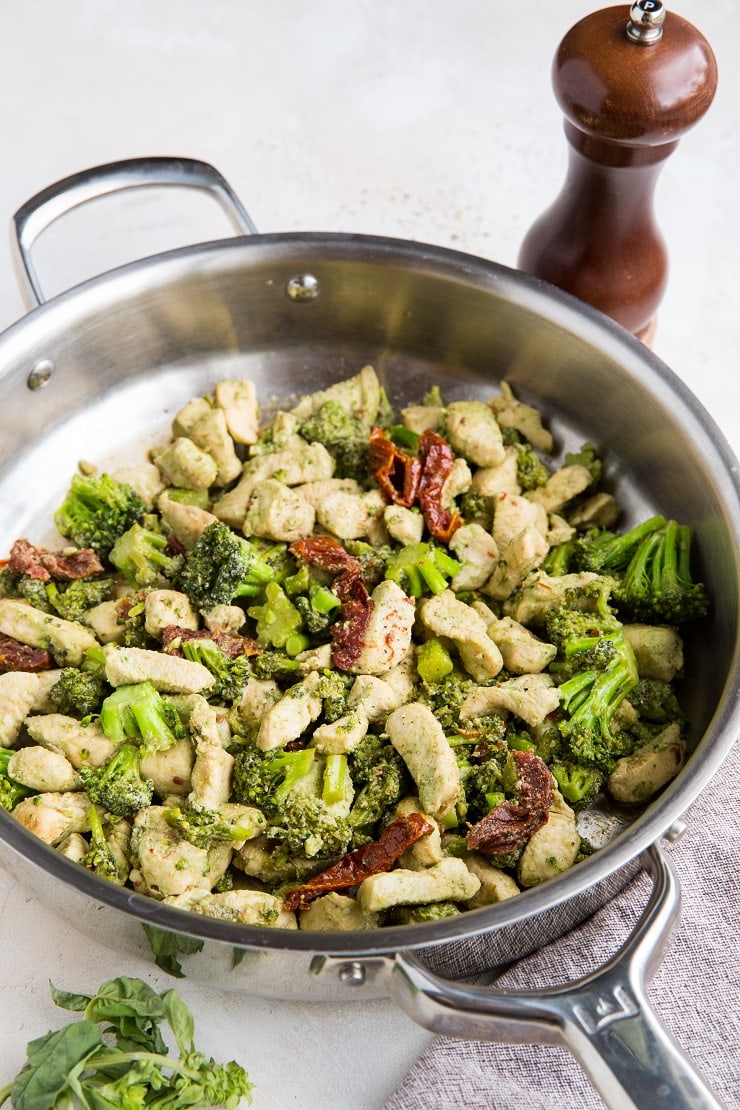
(566, 312)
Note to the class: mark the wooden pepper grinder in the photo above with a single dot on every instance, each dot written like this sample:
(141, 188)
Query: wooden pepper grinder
(631, 81)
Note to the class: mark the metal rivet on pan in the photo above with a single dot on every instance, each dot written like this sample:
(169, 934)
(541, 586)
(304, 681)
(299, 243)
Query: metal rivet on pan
(676, 831)
(352, 975)
(303, 287)
(40, 374)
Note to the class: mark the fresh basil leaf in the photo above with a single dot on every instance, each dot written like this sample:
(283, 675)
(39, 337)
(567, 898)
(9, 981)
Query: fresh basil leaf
(181, 1021)
(166, 947)
(125, 997)
(51, 1058)
(67, 1000)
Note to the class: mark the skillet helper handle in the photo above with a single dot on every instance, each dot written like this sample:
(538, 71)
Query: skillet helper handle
(38, 213)
(630, 80)
(605, 1018)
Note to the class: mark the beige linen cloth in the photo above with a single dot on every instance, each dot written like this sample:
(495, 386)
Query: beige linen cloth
(696, 992)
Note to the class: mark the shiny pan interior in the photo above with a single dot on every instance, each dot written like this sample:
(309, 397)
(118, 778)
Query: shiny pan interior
(121, 353)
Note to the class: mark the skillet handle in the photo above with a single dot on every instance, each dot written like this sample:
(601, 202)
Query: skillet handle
(38, 213)
(604, 1018)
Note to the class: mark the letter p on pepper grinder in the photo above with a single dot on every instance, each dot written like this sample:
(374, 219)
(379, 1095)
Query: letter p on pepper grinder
(631, 80)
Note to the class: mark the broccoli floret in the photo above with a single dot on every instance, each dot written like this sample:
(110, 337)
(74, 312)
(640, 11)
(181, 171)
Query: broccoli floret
(332, 426)
(288, 788)
(140, 712)
(131, 615)
(531, 471)
(330, 422)
(476, 508)
(230, 675)
(333, 688)
(78, 692)
(506, 861)
(117, 786)
(657, 585)
(433, 911)
(265, 779)
(591, 698)
(485, 783)
(277, 619)
(606, 552)
(97, 511)
(579, 785)
(142, 555)
(11, 792)
(205, 827)
(30, 589)
(277, 665)
(656, 701)
(585, 641)
(71, 602)
(308, 828)
(445, 698)
(222, 566)
(377, 768)
(433, 398)
(421, 568)
(372, 559)
(587, 456)
(276, 556)
(318, 606)
(99, 857)
(548, 742)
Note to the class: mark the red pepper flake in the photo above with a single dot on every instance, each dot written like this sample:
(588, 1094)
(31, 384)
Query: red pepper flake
(44, 565)
(15, 656)
(396, 472)
(511, 824)
(437, 461)
(356, 866)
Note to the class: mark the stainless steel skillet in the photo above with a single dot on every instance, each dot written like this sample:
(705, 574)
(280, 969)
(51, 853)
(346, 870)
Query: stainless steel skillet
(98, 372)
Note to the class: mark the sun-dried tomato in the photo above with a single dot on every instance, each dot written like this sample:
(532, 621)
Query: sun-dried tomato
(44, 565)
(396, 471)
(348, 631)
(356, 866)
(327, 553)
(436, 464)
(15, 656)
(511, 824)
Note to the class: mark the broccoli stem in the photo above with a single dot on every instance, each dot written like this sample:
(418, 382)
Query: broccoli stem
(294, 766)
(296, 643)
(135, 711)
(404, 437)
(610, 552)
(433, 661)
(421, 566)
(324, 601)
(335, 778)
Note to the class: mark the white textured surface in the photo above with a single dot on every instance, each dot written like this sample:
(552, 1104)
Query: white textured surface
(424, 120)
